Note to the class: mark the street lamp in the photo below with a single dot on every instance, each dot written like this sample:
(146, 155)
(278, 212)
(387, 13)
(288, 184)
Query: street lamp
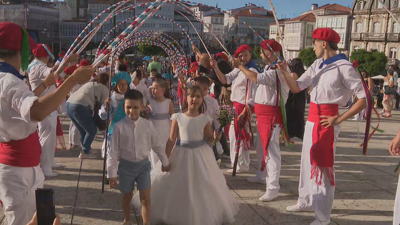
(52, 34)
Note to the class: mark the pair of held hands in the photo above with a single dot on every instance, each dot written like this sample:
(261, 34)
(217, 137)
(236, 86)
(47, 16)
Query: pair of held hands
(114, 180)
(80, 76)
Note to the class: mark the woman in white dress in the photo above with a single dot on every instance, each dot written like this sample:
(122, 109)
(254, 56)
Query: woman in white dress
(161, 110)
(194, 191)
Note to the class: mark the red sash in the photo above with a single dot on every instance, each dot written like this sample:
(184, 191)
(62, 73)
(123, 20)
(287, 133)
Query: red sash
(240, 132)
(21, 153)
(267, 117)
(323, 140)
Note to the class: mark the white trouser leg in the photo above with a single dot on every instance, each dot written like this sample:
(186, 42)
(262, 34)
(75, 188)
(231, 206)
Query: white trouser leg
(260, 157)
(273, 162)
(74, 135)
(396, 212)
(320, 197)
(48, 141)
(244, 156)
(17, 192)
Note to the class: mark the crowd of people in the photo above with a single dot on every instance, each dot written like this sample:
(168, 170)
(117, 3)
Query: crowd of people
(169, 156)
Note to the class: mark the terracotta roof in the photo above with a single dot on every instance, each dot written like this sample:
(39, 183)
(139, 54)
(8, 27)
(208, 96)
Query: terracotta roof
(309, 17)
(247, 13)
(335, 7)
(281, 22)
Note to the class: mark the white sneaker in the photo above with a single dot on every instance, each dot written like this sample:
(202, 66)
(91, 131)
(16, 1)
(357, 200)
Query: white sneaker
(57, 165)
(256, 180)
(50, 174)
(268, 197)
(87, 156)
(299, 208)
(237, 171)
(382, 112)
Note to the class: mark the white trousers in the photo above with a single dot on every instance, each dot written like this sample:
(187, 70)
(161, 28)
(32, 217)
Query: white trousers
(396, 212)
(74, 135)
(17, 192)
(48, 141)
(244, 156)
(319, 197)
(272, 171)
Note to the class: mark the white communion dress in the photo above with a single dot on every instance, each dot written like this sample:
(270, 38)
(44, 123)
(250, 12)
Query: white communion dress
(162, 123)
(194, 191)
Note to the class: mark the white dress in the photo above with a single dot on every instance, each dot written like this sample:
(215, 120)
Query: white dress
(162, 123)
(194, 191)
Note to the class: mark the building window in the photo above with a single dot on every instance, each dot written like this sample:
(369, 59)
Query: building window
(359, 28)
(396, 27)
(377, 28)
(310, 29)
(393, 53)
(324, 22)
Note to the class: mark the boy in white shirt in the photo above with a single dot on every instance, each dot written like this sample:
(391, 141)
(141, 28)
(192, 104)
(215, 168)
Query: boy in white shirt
(132, 140)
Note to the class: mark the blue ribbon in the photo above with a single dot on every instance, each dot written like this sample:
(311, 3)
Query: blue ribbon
(333, 59)
(7, 68)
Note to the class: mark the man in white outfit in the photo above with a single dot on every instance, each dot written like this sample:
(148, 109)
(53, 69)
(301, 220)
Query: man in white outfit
(243, 92)
(333, 80)
(20, 111)
(38, 71)
(394, 149)
(270, 95)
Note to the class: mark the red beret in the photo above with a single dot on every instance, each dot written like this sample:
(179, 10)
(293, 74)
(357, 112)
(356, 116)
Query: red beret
(221, 55)
(61, 54)
(70, 69)
(11, 37)
(326, 34)
(241, 49)
(193, 67)
(40, 51)
(85, 63)
(276, 47)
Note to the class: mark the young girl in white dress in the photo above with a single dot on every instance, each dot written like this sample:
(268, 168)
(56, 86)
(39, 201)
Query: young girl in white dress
(194, 191)
(161, 110)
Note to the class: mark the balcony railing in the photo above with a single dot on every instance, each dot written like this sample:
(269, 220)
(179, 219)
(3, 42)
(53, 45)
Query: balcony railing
(393, 37)
(373, 37)
(356, 37)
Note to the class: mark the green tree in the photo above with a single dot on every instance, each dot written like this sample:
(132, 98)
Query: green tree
(151, 50)
(256, 52)
(308, 56)
(373, 63)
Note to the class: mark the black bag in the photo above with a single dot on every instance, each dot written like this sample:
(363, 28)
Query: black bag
(389, 90)
(100, 124)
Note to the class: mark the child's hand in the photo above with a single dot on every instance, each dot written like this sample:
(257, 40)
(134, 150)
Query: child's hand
(165, 168)
(113, 182)
(107, 103)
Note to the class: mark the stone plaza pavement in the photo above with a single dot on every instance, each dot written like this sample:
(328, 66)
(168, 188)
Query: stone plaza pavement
(365, 185)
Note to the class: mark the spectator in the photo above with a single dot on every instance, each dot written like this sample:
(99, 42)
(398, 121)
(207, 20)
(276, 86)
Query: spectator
(80, 107)
(155, 64)
(388, 97)
(296, 103)
(396, 81)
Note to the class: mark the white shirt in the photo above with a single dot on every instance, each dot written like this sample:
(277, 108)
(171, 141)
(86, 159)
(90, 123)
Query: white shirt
(239, 83)
(266, 90)
(212, 88)
(37, 74)
(212, 110)
(133, 148)
(332, 84)
(16, 101)
(143, 89)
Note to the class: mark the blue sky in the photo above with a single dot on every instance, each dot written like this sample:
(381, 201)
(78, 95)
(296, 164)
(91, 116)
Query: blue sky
(290, 8)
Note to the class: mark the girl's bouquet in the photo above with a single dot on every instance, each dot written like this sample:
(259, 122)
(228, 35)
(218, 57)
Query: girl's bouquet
(145, 112)
(225, 117)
